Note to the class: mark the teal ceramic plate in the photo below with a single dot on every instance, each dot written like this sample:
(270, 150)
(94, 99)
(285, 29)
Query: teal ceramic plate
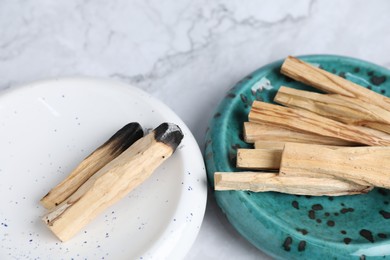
(298, 227)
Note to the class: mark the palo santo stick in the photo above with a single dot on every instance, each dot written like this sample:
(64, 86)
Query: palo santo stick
(260, 182)
(270, 159)
(330, 83)
(265, 145)
(340, 108)
(307, 121)
(268, 132)
(113, 147)
(357, 164)
(259, 158)
(269, 145)
(114, 181)
(378, 126)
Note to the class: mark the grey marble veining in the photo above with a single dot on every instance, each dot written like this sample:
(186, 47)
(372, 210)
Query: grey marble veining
(186, 53)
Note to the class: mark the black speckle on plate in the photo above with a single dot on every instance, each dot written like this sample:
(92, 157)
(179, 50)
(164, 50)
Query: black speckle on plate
(347, 240)
(230, 95)
(377, 80)
(301, 246)
(367, 235)
(330, 223)
(244, 99)
(346, 210)
(342, 74)
(302, 231)
(385, 214)
(317, 207)
(287, 243)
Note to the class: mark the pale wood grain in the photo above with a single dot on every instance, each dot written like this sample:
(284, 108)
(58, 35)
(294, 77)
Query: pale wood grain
(306, 121)
(108, 151)
(330, 83)
(259, 158)
(261, 131)
(269, 145)
(340, 108)
(364, 165)
(107, 186)
(300, 185)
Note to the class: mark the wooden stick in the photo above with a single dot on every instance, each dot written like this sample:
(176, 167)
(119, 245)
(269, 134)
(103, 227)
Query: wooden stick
(307, 121)
(340, 108)
(260, 182)
(357, 164)
(114, 181)
(330, 83)
(113, 147)
(259, 158)
(261, 131)
(378, 126)
(269, 145)
(270, 159)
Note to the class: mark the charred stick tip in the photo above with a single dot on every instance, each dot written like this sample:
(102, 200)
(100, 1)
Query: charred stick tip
(125, 137)
(169, 134)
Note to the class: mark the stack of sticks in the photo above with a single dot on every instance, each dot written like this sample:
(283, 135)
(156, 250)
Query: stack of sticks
(107, 175)
(331, 144)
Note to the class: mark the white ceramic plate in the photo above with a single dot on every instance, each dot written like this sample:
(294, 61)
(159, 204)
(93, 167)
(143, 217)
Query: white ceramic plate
(47, 128)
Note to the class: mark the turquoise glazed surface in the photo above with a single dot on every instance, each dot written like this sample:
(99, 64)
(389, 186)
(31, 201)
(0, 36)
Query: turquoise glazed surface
(298, 227)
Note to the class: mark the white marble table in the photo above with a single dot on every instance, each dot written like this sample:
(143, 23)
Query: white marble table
(186, 53)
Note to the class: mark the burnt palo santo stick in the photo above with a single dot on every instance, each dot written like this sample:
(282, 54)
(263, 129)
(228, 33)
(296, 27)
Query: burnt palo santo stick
(114, 181)
(307, 121)
(340, 108)
(300, 185)
(113, 147)
(330, 83)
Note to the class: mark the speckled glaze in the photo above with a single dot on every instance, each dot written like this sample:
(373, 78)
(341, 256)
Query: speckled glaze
(298, 227)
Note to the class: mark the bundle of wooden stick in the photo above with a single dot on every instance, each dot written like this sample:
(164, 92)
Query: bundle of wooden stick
(107, 175)
(332, 144)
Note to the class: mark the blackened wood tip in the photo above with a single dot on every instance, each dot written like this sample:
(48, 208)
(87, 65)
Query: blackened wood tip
(169, 134)
(125, 137)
